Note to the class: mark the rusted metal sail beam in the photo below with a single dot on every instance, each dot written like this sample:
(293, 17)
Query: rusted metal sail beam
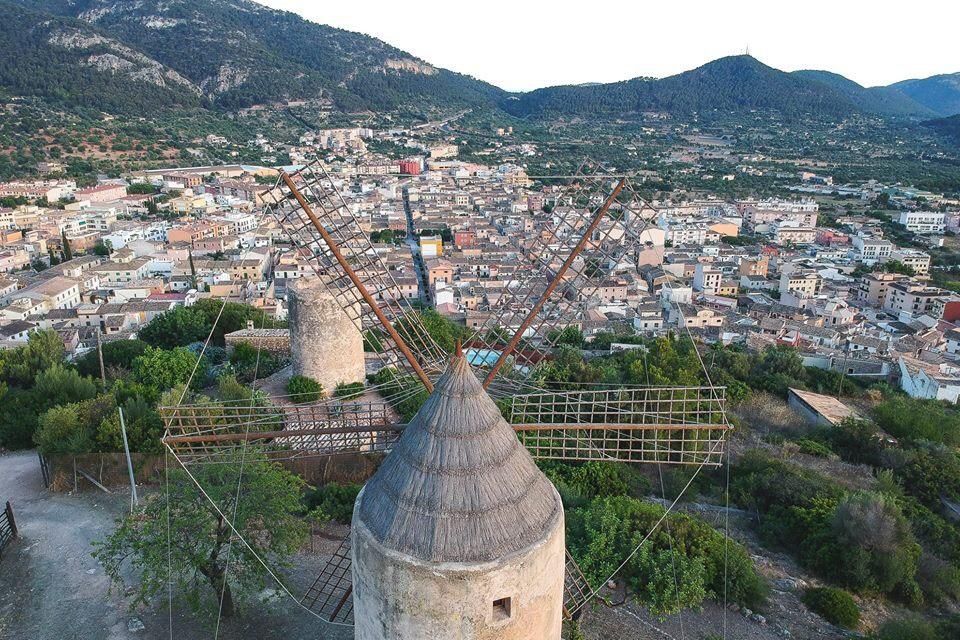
(557, 279)
(357, 282)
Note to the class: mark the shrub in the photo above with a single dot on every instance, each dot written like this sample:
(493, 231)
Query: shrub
(603, 533)
(669, 582)
(62, 431)
(909, 629)
(349, 390)
(247, 361)
(862, 541)
(304, 389)
(814, 448)
(143, 423)
(578, 484)
(405, 393)
(333, 501)
(939, 580)
(915, 419)
(835, 605)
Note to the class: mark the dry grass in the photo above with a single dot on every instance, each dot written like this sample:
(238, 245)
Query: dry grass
(764, 414)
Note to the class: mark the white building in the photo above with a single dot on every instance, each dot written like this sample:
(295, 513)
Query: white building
(923, 221)
(706, 279)
(872, 250)
(929, 381)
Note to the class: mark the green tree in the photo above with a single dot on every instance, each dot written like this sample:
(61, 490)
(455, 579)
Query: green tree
(266, 515)
(570, 336)
(777, 369)
(62, 430)
(175, 328)
(103, 248)
(117, 355)
(161, 369)
(43, 350)
(60, 385)
(141, 188)
(234, 317)
(67, 251)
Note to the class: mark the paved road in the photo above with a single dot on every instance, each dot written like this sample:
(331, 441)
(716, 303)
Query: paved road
(419, 267)
(52, 589)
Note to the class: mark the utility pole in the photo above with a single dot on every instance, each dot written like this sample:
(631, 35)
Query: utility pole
(126, 449)
(103, 371)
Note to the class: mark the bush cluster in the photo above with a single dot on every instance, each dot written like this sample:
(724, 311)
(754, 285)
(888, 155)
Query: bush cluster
(859, 540)
(835, 605)
(303, 389)
(332, 501)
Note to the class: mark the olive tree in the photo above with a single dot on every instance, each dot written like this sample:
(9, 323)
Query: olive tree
(202, 561)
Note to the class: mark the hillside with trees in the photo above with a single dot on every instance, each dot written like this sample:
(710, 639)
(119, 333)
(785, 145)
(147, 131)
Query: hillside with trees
(735, 83)
(221, 54)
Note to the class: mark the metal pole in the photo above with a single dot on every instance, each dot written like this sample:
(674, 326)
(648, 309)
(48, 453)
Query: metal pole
(335, 250)
(103, 371)
(126, 450)
(597, 217)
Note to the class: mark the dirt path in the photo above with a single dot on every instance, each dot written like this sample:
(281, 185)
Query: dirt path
(52, 589)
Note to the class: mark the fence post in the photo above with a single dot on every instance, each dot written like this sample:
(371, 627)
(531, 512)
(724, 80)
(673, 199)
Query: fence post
(11, 520)
(44, 470)
(126, 449)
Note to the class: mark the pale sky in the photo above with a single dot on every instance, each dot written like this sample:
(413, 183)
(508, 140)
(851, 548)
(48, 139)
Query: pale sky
(525, 44)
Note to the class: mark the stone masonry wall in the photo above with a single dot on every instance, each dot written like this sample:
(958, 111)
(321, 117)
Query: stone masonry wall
(324, 343)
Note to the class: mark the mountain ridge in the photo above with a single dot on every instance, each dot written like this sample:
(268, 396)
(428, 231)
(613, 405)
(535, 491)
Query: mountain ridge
(883, 100)
(730, 83)
(239, 53)
(135, 57)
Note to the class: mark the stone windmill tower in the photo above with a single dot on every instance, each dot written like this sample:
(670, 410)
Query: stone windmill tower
(458, 534)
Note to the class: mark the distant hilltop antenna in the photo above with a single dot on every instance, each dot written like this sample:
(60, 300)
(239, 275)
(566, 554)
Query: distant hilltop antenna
(747, 50)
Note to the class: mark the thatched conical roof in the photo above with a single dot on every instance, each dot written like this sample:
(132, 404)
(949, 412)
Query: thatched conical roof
(459, 486)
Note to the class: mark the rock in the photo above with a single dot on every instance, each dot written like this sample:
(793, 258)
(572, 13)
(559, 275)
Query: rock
(789, 584)
(783, 632)
(611, 584)
(759, 619)
(746, 612)
(90, 572)
(135, 624)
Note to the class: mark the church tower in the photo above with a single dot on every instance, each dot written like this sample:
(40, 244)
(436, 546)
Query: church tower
(458, 536)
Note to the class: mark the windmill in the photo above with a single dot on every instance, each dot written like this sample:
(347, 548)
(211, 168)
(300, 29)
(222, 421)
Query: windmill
(596, 227)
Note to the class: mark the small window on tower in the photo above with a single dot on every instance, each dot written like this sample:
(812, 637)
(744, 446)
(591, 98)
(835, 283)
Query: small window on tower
(501, 609)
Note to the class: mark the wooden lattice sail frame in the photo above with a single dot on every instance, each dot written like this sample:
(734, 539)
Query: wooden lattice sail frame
(666, 425)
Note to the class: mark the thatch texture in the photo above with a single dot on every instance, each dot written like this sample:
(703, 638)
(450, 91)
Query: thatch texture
(459, 486)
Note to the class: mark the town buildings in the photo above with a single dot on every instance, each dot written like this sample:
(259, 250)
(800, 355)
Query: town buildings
(475, 242)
